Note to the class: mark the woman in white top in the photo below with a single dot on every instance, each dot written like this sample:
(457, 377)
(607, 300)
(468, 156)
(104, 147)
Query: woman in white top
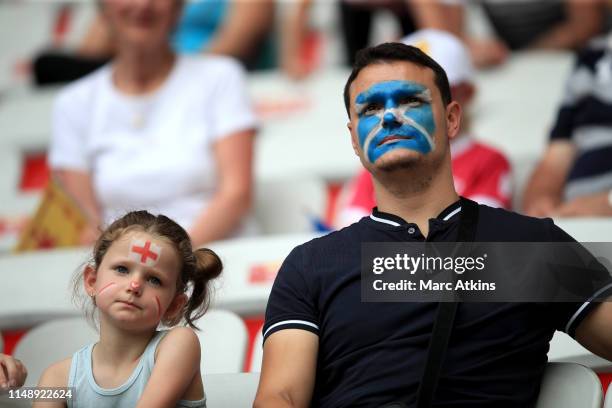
(153, 130)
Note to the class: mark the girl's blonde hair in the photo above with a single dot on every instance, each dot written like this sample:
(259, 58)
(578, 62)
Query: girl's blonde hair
(198, 267)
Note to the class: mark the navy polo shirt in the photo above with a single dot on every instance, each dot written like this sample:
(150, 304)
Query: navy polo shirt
(371, 354)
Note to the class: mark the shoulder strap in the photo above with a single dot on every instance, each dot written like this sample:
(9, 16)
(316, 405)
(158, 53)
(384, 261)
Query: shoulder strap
(151, 349)
(445, 316)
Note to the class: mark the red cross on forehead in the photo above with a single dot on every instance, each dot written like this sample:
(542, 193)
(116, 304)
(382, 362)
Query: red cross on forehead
(145, 252)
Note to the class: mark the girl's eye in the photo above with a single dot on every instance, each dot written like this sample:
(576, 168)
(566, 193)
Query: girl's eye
(121, 269)
(154, 281)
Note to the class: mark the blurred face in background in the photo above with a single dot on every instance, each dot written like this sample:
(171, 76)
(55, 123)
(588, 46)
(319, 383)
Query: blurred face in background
(141, 24)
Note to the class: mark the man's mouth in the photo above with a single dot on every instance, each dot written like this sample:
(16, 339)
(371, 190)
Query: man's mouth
(393, 138)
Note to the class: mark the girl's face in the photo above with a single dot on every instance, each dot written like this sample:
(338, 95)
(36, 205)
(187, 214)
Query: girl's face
(135, 286)
(145, 24)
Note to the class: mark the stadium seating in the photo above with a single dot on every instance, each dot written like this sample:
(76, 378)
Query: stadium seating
(565, 385)
(569, 385)
(563, 348)
(50, 342)
(223, 337)
(257, 355)
(289, 205)
(230, 390)
(608, 400)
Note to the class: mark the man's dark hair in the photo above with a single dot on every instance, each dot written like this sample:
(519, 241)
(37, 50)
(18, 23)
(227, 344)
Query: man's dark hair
(397, 52)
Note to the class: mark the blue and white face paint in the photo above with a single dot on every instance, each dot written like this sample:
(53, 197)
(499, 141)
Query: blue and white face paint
(395, 115)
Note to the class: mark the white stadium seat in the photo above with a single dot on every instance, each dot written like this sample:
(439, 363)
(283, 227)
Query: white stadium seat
(608, 400)
(230, 390)
(51, 342)
(565, 349)
(223, 337)
(288, 205)
(569, 385)
(565, 385)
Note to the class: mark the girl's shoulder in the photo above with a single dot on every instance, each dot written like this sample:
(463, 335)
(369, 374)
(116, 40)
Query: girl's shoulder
(179, 338)
(56, 375)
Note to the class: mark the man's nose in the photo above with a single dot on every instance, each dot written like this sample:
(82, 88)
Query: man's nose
(390, 119)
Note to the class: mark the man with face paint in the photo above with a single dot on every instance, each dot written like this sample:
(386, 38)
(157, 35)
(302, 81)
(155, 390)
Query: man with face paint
(324, 347)
(480, 172)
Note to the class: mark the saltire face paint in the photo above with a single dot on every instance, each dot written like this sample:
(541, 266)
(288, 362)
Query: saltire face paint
(395, 115)
(144, 252)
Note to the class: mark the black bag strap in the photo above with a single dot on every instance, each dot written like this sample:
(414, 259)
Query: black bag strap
(445, 316)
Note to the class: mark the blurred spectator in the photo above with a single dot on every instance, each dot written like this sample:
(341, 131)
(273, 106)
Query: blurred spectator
(12, 373)
(480, 172)
(574, 176)
(356, 22)
(526, 24)
(152, 130)
(236, 28)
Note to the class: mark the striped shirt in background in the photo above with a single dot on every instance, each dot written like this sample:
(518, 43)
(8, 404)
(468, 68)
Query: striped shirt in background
(585, 119)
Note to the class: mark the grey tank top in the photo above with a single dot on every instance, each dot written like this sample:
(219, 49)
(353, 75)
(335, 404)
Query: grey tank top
(89, 394)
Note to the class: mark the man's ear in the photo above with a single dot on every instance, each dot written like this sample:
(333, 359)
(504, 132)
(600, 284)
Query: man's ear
(89, 280)
(354, 141)
(176, 306)
(453, 119)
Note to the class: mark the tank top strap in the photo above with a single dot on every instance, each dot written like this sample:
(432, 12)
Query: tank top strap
(80, 368)
(149, 353)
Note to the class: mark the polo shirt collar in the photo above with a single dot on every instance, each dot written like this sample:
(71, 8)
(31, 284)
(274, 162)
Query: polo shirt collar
(449, 214)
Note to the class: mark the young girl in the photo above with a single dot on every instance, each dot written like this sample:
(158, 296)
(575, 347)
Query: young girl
(143, 273)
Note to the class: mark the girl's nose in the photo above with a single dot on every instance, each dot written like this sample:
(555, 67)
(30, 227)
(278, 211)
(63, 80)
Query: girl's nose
(135, 286)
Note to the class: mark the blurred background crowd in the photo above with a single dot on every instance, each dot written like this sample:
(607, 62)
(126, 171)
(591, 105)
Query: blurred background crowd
(227, 115)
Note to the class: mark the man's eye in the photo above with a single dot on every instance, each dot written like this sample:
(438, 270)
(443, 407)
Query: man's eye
(121, 269)
(372, 107)
(154, 281)
(411, 100)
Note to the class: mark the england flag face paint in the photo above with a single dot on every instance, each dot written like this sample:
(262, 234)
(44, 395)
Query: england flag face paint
(145, 253)
(394, 115)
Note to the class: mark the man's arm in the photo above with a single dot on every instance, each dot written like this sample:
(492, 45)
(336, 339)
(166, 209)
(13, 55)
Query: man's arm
(449, 16)
(595, 331)
(597, 204)
(246, 25)
(288, 369)
(294, 31)
(233, 197)
(545, 188)
(440, 15)
(584, 20)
